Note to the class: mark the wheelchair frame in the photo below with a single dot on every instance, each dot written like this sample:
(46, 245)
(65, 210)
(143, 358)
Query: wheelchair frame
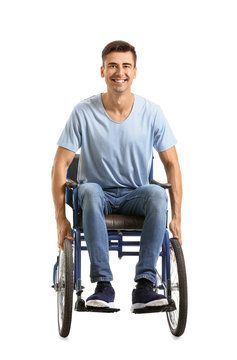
(117, 243)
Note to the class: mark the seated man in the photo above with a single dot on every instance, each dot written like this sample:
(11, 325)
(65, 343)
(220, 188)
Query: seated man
(116, 132)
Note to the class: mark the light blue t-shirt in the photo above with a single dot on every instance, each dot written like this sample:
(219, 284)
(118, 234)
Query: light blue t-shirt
(116, 154)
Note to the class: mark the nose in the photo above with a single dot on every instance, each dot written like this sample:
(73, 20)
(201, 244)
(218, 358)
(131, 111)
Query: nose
(119, 71)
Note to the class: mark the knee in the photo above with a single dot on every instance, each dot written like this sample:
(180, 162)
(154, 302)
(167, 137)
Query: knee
(157, 198)
(90, 192)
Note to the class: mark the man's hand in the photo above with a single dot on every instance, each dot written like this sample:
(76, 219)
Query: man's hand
(175, 228)
(63, 228)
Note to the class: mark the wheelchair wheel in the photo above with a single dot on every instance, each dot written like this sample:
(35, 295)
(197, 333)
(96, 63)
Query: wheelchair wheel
(65, 288)
(177, 318)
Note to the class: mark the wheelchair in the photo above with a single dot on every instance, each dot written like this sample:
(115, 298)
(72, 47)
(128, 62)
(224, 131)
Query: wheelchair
(171, 279)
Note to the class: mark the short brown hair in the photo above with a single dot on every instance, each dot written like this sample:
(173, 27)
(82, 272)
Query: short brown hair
(119, 46)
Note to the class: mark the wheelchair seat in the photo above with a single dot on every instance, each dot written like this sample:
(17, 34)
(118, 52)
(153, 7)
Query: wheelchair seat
(121, 222)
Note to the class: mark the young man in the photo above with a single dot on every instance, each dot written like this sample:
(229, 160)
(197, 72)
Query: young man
(116, 132)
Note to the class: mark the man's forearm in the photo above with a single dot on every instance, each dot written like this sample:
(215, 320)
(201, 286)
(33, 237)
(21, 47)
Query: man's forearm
(62, 160)
(175, 179)
(58, 190)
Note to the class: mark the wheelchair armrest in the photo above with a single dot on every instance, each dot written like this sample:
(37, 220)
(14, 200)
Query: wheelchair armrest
(71, 184)
(164, 186)
(70, 191)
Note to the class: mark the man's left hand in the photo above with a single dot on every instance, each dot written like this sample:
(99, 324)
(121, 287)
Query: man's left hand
(175, 228)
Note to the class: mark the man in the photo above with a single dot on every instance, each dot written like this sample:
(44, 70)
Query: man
(116, 132)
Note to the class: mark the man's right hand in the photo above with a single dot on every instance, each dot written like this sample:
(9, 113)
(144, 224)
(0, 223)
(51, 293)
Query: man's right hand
(64, 230)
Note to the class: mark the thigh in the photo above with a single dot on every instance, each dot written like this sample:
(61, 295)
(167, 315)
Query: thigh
(90, 190)
(93, 195)
(138, 201)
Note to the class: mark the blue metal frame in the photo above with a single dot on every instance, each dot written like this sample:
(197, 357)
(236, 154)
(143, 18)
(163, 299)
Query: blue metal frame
(116, 243)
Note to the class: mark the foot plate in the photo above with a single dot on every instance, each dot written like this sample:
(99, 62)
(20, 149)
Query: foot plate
(151, 309)
(101, 309)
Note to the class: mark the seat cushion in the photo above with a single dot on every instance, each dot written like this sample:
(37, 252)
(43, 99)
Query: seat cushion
(121, 222)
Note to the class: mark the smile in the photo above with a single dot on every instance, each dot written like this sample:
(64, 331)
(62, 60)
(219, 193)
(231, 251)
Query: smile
(119, 81)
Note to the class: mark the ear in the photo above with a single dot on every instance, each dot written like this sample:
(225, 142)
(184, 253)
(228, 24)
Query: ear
(134, 73)
(102, 71)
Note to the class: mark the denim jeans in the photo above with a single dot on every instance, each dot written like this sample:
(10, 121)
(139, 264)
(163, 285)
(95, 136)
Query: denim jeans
(149, 201)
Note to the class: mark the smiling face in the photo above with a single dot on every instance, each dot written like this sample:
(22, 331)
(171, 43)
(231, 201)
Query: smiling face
(119, 71)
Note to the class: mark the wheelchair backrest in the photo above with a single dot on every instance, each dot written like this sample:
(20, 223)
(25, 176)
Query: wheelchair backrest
(72, 170)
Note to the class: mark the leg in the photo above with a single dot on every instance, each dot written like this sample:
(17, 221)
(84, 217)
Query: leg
(92, 201)
(151, 202)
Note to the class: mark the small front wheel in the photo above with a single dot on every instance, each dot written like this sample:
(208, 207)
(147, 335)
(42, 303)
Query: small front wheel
(179, 293)
(64, 280)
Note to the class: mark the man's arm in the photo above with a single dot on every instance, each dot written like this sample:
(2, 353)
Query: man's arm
(170, 161)
(62, 160)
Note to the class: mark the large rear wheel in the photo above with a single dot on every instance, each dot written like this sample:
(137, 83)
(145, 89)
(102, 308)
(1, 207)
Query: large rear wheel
(179, 293)
(64, 280)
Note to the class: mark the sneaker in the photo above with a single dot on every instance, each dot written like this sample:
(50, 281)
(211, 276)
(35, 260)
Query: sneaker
(144, 296)
(103, 296)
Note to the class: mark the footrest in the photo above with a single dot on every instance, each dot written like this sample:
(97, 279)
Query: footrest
(151, 309)
(80, 306)
(101, 309)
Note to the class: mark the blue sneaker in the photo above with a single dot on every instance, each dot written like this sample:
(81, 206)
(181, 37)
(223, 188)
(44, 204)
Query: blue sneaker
(103, 296)
(144, 296)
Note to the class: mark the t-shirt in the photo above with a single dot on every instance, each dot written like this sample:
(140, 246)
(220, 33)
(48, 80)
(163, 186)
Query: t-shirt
(116, 154)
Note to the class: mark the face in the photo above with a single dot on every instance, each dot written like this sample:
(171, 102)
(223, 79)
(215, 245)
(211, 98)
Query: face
(119, 71)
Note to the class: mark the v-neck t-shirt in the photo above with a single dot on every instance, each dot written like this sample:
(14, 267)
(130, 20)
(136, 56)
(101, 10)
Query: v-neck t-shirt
(116, 154)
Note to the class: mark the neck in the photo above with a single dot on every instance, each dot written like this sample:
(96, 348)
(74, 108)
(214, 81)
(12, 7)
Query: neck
(117, 103)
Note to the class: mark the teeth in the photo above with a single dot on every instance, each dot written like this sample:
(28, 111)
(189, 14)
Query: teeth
(119, 81)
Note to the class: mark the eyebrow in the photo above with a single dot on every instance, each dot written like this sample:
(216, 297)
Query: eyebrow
(114, 63)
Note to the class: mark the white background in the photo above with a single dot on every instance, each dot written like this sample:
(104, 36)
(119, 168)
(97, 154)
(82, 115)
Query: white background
(50, 60)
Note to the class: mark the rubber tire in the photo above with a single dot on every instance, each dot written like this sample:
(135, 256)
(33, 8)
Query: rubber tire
(183, 290)
(64, 327)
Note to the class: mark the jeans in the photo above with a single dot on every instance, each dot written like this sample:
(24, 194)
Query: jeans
(149, 201)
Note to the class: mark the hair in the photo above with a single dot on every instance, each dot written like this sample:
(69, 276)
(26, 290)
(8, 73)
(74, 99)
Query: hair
(119, 46)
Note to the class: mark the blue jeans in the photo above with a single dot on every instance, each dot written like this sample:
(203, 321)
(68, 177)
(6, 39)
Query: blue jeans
(149, 201)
